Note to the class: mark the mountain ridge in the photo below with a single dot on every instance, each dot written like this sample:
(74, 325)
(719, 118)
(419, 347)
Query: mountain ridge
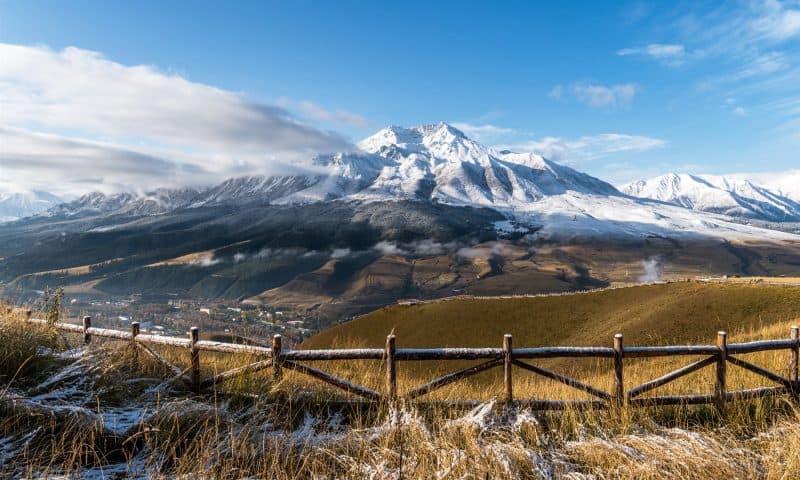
(439, 163)
(732, 196)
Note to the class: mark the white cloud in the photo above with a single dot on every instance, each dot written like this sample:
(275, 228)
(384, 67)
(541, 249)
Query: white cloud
(340, 252)
(316, 111)
(777, 22)
(176, 126)
(672, 54)
(748, 44)
(71, 166)
(424, 247)
(485, 133)
(556, 92)
(740, 111)
(589, 147)
(762, 64)
(601, 96)
(389, 248)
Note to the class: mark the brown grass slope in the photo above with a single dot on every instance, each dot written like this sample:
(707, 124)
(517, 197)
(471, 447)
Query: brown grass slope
(683, 312)
(666, 314)
(265, 434)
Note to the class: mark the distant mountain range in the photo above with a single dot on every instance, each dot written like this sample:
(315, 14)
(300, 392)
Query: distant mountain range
(768, 198)
(16, 205)
(439, 163)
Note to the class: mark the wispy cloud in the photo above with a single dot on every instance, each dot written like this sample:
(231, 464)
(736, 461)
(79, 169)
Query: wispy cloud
(746, 50)
(318, 112)
(750, 37)
(75, 102)
(671, 54)
(777, 22)
(486, 132)
(595, 95)
(762, 64)
(602, 96)
(589, 147)
(69, 166)
(66, 165)
(731, 104)
(556, 92)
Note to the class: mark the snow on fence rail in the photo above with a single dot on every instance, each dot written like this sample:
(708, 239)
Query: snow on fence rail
(277, 358)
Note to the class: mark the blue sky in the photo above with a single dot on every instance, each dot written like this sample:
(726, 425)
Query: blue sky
(620, 90)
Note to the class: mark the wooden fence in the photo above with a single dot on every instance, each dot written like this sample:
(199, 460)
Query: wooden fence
(277, 358)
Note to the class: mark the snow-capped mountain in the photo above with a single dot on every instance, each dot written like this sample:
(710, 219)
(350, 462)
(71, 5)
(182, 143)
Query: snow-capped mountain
(15, 205)
(159, 201)
(786, 184)
(440, 164)
(256, 188)
(733, 196)
(430, 163)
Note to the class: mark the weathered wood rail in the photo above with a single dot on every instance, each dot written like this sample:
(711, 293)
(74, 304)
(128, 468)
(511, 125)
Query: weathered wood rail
(719, 355)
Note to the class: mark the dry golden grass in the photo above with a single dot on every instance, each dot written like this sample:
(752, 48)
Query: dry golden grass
(668, 314)
(79, 270)
(674, 313)
(767, 280)
(254, 427)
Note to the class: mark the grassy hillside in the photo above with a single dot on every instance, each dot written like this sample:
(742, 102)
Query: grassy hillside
(680, 312)
(675, 313)
(93, 412)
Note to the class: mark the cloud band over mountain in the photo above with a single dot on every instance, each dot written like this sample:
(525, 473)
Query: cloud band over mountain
(74, 109)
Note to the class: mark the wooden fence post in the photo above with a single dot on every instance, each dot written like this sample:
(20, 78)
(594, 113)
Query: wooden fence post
(391, 372)
(134, 347)
(793, 362)
(719, 387)
(87, 324)
(619, 385)
(28, 314)
(276, 357)
(507, 357)
(194, 336)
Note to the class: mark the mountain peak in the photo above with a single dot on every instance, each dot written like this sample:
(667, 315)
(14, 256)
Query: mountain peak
(441, 128)
(413, 138)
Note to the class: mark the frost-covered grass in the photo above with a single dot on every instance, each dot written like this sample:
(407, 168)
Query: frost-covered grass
(88, 412)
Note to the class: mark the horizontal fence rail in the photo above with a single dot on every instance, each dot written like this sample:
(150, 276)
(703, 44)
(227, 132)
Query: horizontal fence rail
(719, 355)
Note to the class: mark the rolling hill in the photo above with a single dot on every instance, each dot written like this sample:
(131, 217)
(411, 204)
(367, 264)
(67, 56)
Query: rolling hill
(680, 312)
